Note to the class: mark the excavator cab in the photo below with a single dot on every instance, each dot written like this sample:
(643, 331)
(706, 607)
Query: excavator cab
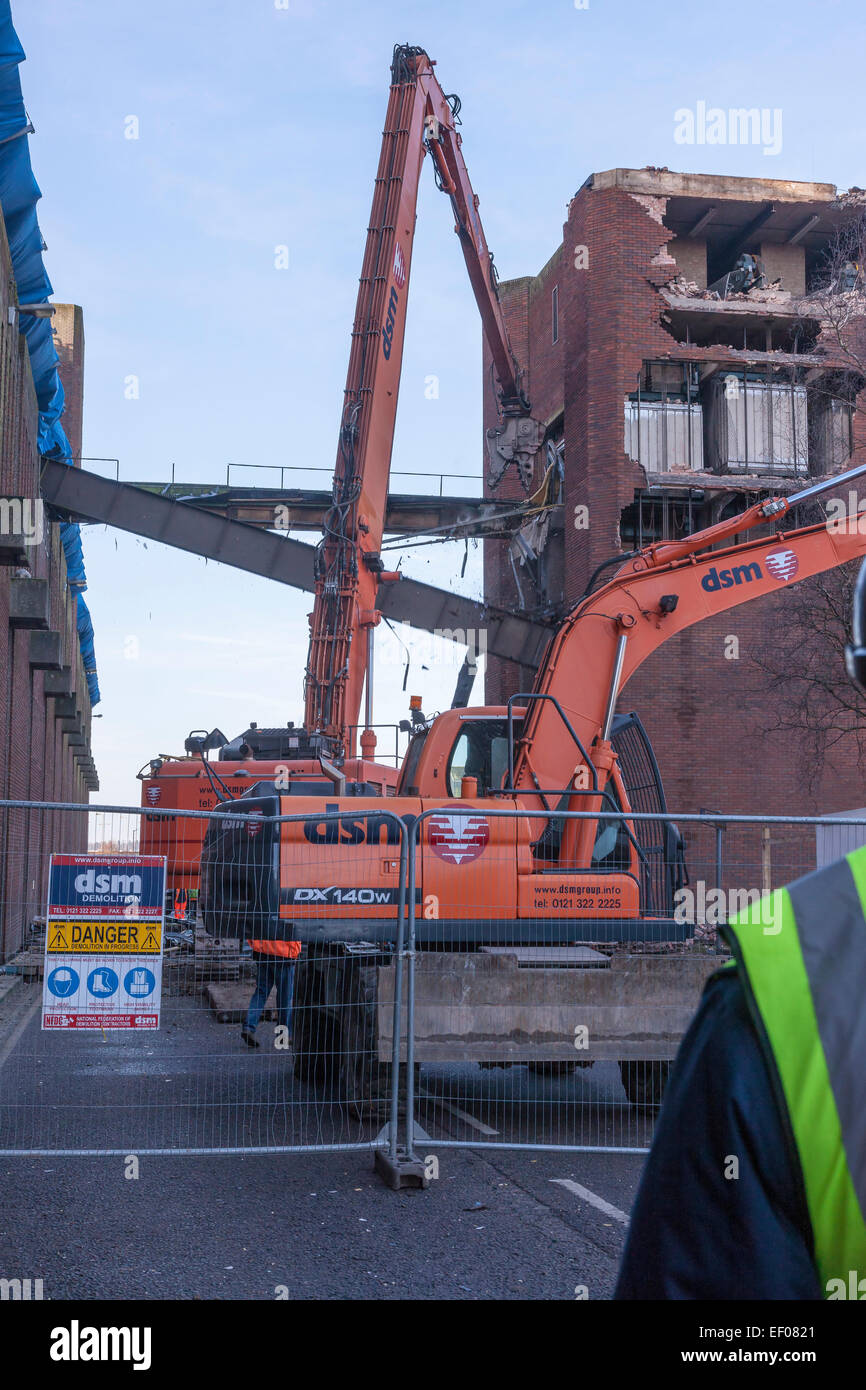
(476, 745)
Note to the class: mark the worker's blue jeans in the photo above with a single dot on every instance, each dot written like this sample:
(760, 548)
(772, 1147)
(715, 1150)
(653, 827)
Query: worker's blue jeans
(272, 971)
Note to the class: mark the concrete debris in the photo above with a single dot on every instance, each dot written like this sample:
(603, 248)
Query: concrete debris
(531, 539)
(855, 197)
(689, 289)
(773, 294)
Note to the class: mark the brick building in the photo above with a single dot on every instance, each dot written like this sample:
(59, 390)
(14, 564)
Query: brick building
(45, 707)
(669, 406)
(48, 677)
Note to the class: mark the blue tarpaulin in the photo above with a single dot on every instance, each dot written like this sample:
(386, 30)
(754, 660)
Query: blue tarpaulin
(19, 194)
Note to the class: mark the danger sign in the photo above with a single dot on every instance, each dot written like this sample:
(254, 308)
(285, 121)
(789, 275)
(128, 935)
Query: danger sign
(128, 938)
(103, 941)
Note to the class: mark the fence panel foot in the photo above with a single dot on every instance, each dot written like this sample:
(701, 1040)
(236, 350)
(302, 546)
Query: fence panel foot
(401, 1171)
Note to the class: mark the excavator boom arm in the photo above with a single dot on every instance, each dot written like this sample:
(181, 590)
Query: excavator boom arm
(614, 630)
(419, 118)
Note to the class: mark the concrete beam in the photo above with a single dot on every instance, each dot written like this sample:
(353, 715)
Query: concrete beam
(702, 221)
(78, 495)
(56, 684)
(68, 715)
(803, 229)
(29, 604)
(304, 509)
(13, 550)
(81, 496)
(488, 1008)
(46, 651)
(729, 310)
(724, 257)
(668, 183)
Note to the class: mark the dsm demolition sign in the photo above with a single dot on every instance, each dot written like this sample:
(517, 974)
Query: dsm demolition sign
(103, 941)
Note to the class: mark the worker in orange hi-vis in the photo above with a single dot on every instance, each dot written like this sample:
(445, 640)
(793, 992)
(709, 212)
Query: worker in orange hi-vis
(275, 968)
(755, 1187)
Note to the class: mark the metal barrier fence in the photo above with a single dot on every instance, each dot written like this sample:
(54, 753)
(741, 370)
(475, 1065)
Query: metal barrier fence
(193, 1085)
(558, 1029)
(469, 976)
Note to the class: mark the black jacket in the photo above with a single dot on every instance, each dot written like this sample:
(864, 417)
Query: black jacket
(694, 1233)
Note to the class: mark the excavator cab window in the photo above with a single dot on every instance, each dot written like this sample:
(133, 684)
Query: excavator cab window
(498, 762)
(612, 848)
(409, 772)
(480, 750)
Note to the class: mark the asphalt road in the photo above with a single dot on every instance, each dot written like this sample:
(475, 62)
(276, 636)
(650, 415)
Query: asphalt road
(494, 1224)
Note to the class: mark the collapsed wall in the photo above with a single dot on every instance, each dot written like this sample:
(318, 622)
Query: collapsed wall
(620, 334)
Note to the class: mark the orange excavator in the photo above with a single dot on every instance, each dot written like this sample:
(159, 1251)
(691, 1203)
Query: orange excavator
(552, 749)
(421, 120)
(530, 880)
(485, 880)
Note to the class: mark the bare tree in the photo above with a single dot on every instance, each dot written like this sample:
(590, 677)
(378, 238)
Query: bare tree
(802, 655)
(832, 318)
(802, 662)
(837, 298)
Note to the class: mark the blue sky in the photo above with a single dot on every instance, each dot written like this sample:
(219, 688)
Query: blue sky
(259, 126)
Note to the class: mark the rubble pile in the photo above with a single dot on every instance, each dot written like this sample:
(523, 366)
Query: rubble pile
(689, 289)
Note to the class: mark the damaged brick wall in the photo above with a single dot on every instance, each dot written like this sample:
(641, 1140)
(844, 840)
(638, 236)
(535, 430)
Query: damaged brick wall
(706, 714)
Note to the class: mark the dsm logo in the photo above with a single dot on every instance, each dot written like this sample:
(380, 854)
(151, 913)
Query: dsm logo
(390, 322)
(399, 273)
(359, 830)
(716, 579)
(781, 564)
(399, 266)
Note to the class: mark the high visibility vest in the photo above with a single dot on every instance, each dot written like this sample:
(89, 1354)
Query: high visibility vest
(801, 953)
(286, 950)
